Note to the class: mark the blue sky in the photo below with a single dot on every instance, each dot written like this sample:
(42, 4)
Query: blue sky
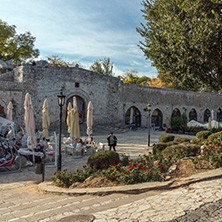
(83, 30)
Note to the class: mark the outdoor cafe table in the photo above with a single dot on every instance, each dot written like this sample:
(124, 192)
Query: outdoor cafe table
(27, 152)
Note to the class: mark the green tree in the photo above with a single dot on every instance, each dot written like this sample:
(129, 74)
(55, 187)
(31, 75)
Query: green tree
(103, 66)
(14, 46)
(56, 61)
(183, 38)
(131, 77)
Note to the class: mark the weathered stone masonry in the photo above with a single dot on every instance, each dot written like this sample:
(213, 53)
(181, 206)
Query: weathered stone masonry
(110, 97)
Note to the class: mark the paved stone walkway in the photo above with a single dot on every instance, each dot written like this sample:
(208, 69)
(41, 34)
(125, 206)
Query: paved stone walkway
(21, 201)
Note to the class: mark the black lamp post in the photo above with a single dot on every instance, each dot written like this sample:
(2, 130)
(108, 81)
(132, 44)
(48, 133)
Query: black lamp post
(148, 108)
(61, 101)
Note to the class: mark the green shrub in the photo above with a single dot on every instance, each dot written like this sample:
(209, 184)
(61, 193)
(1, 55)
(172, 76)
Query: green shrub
(203, 134)
(65, 178)
(214, 136)
(166, 138)
(103, 159)
(197, 142)
(182, 140)
(124, 160)
(172, 143)
(157, 148)
(177, 124)
(176, 152)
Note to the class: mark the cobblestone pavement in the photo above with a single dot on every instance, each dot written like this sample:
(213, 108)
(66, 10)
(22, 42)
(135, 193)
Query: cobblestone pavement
(21, 201)
(208, 212)
(170, 205)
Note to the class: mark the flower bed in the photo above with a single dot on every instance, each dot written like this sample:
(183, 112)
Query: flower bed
(150, 167)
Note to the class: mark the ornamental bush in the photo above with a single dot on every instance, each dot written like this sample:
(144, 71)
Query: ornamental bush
(158, 148)
(65, 178)
(138, 171)
(103, 159)
(173, 153)
(215, 136)
(181, 140)
(166, 138)
(203, 135)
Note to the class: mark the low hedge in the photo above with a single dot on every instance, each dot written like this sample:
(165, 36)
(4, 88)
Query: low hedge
(214, 136)
(158, 148)
(202, 135)
(103, 159)
(181, 140)
(166, 138)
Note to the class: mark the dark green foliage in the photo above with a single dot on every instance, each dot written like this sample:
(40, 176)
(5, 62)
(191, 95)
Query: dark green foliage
(203, 134)
(16, 47)
(177, 124)
(184, 41)
(214, 136)
(166, 138)
(157, 148)
(103, 159)
(124, 160)
(181, 140)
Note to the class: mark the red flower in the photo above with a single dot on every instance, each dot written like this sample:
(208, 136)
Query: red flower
(149, 152)
(112, 170)
(115, 176)
(128, 173)
(59, 177)
(124, 172)
(55, 173)
(84, 166)
(215, 160)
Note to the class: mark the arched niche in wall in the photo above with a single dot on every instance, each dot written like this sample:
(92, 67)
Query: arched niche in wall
(176, 113)
(81, 105)
(219, 115)
(157, 118)
(136, 116)
(193, 114)
(206, 115)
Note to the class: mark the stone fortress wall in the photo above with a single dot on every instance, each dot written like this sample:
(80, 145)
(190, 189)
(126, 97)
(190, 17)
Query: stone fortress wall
(111, 99)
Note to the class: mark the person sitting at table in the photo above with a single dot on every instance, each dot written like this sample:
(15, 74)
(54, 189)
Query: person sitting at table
(39, 146)
(79, 147)
(91, 143)
(13, 141)
(6, 158)
(19, 141)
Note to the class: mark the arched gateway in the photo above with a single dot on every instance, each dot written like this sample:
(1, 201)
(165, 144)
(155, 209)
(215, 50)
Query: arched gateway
(136, 118)
(80, 105)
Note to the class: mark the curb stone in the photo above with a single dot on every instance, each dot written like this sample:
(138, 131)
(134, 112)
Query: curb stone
(48, 187)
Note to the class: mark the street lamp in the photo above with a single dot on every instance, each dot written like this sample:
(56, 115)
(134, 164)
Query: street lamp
(148, 108)
(61, 101)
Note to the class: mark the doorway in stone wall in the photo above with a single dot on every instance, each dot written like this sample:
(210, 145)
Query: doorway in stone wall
(157, 118)
(136, 117)
(80, 105)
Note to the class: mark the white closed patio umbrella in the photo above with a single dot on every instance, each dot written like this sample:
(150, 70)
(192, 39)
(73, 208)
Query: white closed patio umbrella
(45, 119)
(89, 119)
(74, 128)
(29, 122)
(9, 111)
(68, 120)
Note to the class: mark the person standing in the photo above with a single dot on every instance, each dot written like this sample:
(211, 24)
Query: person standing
(112, 141)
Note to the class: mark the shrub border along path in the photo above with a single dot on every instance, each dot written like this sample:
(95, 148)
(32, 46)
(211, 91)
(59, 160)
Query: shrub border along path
(135, 188)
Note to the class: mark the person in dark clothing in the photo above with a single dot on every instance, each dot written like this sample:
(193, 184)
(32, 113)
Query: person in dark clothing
(112, 141)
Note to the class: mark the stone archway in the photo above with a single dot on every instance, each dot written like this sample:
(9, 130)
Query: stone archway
(81, 105)
(176, 113)
(219, 115)
(207, 114)
(193, 114)
(157, 118)
(136, 117)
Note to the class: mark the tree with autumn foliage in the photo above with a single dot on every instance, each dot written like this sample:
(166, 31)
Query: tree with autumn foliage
(156, 82)
(131, 77)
